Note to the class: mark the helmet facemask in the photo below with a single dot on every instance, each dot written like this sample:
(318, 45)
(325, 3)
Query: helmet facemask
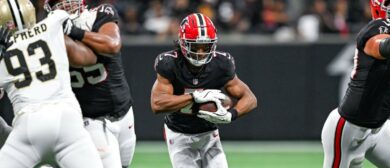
(191, 48)
(70, 6)
(385, 7)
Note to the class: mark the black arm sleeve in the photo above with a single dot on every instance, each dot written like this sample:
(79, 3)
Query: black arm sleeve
(384, 48)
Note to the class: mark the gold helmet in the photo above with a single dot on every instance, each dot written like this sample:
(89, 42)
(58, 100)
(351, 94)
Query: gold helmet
(18, 14)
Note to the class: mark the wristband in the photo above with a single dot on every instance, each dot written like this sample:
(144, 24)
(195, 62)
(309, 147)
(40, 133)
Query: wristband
(234, 113)
(77, 33)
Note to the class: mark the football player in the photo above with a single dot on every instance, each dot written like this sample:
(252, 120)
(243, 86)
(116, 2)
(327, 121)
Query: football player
(102, 89)
(191, 74)
(359, 127)
(34, 71)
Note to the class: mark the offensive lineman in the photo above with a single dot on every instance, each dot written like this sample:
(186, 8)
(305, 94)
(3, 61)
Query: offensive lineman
(359, 128)
(189, 75)
(102, 89)
(34, 72)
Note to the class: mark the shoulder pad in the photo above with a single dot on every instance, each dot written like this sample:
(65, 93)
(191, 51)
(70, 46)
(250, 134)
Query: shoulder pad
(105, 13)
(224, 56)
(164, 64)
(373, 28)
(59, 15)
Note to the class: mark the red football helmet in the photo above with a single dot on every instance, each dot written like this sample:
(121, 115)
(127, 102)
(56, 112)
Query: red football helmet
(197, 39)
(71, 6)
(380, 9)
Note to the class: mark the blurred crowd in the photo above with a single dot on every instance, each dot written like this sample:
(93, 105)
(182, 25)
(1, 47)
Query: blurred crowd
(286, 19)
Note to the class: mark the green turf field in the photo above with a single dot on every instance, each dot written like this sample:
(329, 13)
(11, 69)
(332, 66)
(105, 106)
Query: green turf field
(244, 155)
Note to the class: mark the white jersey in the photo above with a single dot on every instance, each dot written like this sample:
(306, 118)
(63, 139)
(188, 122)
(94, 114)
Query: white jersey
(35, 69)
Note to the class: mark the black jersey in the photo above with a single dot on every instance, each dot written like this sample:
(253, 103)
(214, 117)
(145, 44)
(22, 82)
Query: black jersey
(102, 89)
(367, 100)
(214, 75)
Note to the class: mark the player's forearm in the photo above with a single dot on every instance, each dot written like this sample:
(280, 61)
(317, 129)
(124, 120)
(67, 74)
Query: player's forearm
(170, 103)
(102, 44)
(246, 104)
(79, 55)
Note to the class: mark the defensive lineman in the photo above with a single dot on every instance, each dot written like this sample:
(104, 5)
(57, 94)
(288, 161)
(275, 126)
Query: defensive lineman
(34, 73)
(102, 89)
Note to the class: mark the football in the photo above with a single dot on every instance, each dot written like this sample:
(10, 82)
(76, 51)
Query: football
(212, 107)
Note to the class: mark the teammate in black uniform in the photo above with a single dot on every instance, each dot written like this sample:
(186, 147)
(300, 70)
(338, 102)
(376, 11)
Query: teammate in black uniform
(193, 74)
(102, 89)
(359, 127)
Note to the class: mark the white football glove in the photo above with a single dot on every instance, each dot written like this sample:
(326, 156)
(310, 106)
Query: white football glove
(208, 95)
(221, 116)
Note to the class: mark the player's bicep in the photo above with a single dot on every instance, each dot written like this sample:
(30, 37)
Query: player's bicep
(79, 54)
(161, 86)
(372, 46)
(236, 87)
(111, 29)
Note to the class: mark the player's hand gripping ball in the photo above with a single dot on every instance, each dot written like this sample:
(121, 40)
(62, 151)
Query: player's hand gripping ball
(216, 111)
(212, 106)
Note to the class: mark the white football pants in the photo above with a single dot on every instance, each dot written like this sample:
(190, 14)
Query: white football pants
(347, 145)
(55, 128)
(114, 139)
(195, 150)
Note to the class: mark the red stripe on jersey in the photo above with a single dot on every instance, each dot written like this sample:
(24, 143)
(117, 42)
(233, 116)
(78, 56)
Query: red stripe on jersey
(337, 143)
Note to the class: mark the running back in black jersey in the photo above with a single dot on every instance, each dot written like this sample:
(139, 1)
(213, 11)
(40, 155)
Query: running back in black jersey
(367, 100)
(102, 89)
(214, 75)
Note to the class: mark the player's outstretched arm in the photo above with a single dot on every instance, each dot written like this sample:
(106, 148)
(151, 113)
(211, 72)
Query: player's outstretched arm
(246, 99)
(107, 41)
(378, 46)
(79, 55)
(162, 98)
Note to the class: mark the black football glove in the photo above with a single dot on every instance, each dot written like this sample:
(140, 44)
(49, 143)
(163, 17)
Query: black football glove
(5, 42)
(73, 31)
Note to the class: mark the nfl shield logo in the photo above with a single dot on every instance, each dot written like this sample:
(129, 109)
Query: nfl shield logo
(195, 81)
